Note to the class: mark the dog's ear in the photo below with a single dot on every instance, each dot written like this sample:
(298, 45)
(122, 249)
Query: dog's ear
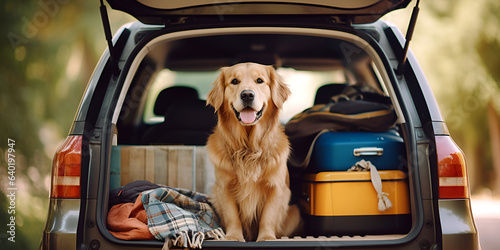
(216, 95)
(279, 90)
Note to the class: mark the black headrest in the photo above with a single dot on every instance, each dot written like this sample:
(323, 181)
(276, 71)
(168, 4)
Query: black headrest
(172, 95)
(190, 115)
(325, 92)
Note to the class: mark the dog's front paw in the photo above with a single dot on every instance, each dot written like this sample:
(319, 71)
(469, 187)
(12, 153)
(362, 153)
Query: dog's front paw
(234, 237)
(265, 237)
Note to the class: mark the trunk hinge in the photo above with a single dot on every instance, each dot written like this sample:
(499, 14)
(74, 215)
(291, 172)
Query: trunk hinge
(409, 34)
(107, 33)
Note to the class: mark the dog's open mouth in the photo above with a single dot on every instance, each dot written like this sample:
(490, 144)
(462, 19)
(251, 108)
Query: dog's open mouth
(248, 116)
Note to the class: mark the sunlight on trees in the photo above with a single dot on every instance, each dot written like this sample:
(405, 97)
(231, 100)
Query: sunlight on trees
(50, 49)
(457, 45)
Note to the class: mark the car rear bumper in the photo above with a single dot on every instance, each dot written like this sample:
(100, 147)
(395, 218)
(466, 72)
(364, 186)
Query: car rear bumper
(62, 223)
(457, 225)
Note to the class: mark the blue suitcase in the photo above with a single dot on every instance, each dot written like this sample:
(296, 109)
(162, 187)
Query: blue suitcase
(338, 151)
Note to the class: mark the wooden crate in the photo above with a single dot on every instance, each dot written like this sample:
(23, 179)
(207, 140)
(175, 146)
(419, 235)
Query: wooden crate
(176, 166)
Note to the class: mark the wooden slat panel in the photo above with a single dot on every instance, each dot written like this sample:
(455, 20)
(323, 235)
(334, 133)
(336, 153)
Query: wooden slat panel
(167, 165)
(149, 170)
(185, 167)
(125, 166)
(209, 172)
(137, 163)
(172, 167)
(115, 167)
(200, 170)
(161, 154)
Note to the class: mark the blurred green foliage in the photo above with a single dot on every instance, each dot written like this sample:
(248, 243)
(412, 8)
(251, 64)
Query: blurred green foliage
(457, 44)
(50, 47)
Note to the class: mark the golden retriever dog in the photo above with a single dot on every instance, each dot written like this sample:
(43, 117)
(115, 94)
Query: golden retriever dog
(249, 150)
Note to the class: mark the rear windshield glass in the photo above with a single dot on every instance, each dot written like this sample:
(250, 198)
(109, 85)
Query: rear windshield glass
(303, 85)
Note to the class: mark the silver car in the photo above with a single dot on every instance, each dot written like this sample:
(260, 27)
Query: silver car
(129, 125)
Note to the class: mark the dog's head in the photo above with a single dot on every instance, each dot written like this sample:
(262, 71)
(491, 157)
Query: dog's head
(248, 90)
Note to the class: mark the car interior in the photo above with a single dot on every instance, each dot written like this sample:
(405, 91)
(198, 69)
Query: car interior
(327, 66)
(164, 122)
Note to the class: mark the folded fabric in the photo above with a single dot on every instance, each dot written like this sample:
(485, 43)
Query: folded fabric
(180, 217)
(128, 221)
(129, 192)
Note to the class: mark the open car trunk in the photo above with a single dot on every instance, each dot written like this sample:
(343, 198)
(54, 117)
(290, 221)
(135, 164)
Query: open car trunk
(157, 11)
(339, 208)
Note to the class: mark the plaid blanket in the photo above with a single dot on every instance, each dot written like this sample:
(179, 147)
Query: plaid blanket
(180, 217)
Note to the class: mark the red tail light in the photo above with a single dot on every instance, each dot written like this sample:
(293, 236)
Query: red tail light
(66, 169)
(452, 170)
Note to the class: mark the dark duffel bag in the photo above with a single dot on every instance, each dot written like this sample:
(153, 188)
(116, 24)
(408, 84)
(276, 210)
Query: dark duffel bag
(353, 110)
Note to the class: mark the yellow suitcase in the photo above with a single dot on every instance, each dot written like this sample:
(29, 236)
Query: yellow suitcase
(346, 203)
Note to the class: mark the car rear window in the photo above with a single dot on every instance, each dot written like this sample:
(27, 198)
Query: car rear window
(303, 84)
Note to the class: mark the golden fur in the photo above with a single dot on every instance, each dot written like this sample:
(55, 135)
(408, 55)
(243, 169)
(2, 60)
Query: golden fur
(251, 192)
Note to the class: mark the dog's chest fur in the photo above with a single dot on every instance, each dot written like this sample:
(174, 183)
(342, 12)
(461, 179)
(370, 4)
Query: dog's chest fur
(250, 167)
(253, 203)
(250, 196)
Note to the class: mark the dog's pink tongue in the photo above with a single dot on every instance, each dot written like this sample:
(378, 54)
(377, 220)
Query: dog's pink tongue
(247, 115)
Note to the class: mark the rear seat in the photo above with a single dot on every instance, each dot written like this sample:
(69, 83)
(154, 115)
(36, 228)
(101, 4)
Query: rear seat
(186, 123)
(172, 95)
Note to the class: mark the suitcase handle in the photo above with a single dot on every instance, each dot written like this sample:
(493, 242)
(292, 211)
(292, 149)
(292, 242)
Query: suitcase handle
(368, 151)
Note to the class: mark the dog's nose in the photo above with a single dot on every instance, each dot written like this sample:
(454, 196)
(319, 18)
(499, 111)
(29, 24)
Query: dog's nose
(247, 96)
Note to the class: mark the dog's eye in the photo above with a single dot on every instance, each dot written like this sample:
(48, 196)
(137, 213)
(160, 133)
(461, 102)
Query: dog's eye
(235, 81)
(259, 80)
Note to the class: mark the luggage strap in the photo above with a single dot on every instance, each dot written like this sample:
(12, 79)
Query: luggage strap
(383, 201)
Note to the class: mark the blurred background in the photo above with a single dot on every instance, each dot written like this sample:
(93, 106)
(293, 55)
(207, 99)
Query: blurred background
(50, 47)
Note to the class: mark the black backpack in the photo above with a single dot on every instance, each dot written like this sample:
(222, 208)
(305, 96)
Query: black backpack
(352, 110)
